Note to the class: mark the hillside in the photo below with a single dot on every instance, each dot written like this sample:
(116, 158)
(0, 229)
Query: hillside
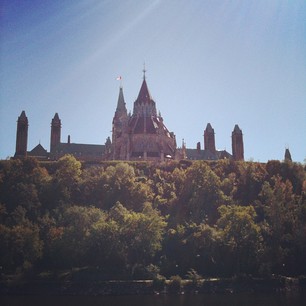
(139, 220)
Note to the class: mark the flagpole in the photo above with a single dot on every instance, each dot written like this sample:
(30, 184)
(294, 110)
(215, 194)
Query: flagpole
(119, 78)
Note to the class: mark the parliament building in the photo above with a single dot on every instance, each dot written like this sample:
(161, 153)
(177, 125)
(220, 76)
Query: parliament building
(141, 135)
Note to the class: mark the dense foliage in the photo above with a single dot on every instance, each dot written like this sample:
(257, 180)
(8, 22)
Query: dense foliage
(141, 220)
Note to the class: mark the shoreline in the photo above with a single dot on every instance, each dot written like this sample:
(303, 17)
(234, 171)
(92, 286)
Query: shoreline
(146, 287)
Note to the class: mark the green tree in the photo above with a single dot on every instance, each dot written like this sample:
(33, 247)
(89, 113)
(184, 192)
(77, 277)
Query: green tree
(140, 233)
(250, 179)
(119, 183)
(205, 244)
(22, 184)
(201, 195)
(69, 239)
(20, 245)
(242, 237)
(279, 206)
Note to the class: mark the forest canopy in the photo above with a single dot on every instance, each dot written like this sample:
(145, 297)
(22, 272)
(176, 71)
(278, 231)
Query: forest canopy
(138, 220)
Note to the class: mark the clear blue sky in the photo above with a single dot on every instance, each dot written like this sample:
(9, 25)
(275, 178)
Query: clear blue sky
(217, 61)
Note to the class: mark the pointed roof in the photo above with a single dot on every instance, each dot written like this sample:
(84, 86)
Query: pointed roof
(288, 155)
(23, 117)
(56, 121)
(144, 105)
(144, 94)
(237, 129)
(56, 117)
(121, 103)
(209, 128)
(39, 151)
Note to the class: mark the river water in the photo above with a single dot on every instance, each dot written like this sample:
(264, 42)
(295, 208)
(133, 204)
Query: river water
(255, 299)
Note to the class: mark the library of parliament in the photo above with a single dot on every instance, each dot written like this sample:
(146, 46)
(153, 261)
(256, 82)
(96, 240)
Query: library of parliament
(141, 135)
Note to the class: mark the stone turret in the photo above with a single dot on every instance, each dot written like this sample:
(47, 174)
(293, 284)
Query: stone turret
(22, 135)
(209, 139)
(288, 155)
(55, 132)
(120, 122)
(121, 110)
(237, 144)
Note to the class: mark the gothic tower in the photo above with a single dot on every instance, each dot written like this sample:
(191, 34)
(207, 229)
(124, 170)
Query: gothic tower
(288, 155)
(120, 121)
(209, 138)
(55, 132)
(149, 139)
(144, 106)
(237, 143)
(22, 135)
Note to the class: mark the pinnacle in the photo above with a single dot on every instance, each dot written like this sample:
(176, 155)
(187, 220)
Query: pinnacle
(121, 102)
(144, 94)
(209, 127)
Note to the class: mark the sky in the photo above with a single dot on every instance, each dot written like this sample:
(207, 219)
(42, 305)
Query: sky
(223, 62)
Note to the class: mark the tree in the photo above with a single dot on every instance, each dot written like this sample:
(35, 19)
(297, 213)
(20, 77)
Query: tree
(68, 243)
(20, 246)
(68, 170)
(201, 195)
(206, 246)
(251, 177)
(279, 206)
(22, 184)
(119, 184)
(140, 233)
(242, 237)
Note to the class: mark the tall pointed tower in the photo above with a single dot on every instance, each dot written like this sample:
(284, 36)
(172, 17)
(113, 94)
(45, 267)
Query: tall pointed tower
(22, 135)
(120, 121)
(288, 155)
(144, 106)
(149, 139)
(237, 143)
(55, 132)
(209, 138)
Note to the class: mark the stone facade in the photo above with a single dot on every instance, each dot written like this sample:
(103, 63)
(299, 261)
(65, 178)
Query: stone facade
(141, 135)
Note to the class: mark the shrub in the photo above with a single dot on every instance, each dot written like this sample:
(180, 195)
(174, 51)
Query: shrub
(175, 283)
(194, 277)
(159, 282)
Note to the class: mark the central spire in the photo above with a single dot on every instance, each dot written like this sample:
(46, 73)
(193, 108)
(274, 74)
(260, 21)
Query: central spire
(144, 94)
(144, 104)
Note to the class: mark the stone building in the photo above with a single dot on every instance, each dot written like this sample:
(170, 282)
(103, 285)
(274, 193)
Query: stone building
(211, 153)
(141, 135)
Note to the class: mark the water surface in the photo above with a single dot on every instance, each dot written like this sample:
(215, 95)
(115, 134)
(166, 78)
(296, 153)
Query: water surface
(255, 299)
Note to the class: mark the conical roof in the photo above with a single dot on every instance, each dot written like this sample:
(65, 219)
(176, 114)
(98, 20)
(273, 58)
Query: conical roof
(144, 104)
(121, 103)
(56, 121)
(144, 94)
(56, 117)
(23, 117)
(237, 129)
(288, 155)
(209, 128)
